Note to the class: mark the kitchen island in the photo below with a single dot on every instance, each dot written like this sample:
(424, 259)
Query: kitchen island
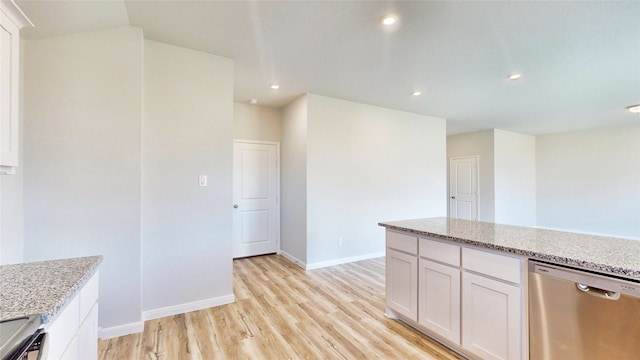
(465, 283)
(64, 294)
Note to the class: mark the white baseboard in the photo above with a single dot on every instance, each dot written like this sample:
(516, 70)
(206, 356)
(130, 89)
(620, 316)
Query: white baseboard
(136, 327)
(293, 259)
(183, 308)
(344, 260)
(121, 330)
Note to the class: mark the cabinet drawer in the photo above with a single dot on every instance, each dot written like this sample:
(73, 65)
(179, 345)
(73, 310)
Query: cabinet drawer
(502, 267)
(439, 251)
(402, 242)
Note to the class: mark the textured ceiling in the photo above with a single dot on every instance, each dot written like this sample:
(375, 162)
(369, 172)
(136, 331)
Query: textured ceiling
(580, 61)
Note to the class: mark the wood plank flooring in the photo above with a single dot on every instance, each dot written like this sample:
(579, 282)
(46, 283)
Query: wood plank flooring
(284, 312)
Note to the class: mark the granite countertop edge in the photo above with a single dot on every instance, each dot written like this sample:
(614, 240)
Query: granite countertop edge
(43, 288)
(630, 273)
(66, 299)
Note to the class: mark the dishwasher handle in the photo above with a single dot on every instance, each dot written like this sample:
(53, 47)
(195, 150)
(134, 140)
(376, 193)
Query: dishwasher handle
(600, 293)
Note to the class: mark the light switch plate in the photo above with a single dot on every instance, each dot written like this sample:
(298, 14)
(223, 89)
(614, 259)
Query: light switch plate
(202, 180)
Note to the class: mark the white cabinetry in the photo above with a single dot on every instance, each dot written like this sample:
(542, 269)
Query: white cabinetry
(439, 289)
(73, 334)
(402, 275)
(11, 21)
(491, 326)
(439, 304)
(471, 300)
(87, 336)
(492, 305)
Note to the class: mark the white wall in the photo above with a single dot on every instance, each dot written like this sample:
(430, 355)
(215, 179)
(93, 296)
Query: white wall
(368, 164)
(101, 177)
(293, 181)
(82, 163)
(589, 181)
(515, 178)
(254, 122)
(11, 217)
(188, 131)
(482, 144)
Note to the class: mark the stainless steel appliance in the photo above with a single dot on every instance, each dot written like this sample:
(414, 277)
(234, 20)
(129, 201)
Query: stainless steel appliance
(576, 314)
(22, 339)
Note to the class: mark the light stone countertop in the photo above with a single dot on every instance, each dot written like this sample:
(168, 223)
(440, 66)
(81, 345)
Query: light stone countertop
(610, 255)
(43, 287)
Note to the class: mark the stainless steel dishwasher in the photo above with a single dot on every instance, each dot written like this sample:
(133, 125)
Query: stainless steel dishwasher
(575, 315)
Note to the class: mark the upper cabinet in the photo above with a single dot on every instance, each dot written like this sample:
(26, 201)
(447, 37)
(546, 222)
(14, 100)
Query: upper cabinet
(12, 19)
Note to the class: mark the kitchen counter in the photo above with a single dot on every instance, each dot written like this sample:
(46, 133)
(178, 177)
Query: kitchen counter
(43, 287)
(609, 255)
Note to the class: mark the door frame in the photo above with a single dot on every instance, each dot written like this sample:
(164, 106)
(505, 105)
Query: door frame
(263, 142)
(477, 159)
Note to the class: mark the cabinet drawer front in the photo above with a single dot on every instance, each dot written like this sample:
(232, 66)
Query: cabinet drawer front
(439, 251)
(402, 242)
(502, 267)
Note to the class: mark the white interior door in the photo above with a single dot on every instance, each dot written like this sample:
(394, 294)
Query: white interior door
(256, 192)
(463, 188)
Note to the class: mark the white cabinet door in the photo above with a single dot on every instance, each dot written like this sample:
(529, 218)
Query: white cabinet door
(73, 334)
(12, 19)
(62, 331)
(71, 353)
(439, 299)
(402, 283)
(88, 336)
(492, 320)
(9, 57)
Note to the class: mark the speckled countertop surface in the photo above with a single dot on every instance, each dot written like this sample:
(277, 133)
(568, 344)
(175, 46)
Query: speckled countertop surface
(43, 287)
(603, 254)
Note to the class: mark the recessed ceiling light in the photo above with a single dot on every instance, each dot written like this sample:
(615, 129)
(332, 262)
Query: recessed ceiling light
(275, 86)
(634, 108)
(389, 19)
(253, 101)
(514, 76)
(416, 93)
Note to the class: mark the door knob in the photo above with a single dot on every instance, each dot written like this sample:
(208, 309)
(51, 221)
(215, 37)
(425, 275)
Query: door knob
(453, 197)
(235, 206)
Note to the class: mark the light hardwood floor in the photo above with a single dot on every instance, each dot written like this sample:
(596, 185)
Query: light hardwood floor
(284, 312)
